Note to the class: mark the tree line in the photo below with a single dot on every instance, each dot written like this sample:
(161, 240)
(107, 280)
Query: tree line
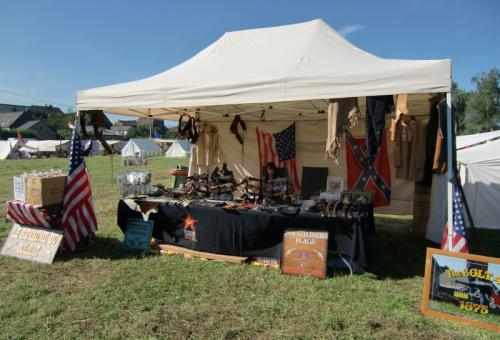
(478, 110)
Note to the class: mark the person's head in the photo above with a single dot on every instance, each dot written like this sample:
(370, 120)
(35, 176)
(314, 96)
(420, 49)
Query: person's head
(270, 170)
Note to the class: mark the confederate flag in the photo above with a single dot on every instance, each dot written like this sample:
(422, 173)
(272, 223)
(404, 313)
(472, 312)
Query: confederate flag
(365, 175)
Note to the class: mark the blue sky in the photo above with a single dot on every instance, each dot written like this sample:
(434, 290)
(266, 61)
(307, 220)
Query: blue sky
(51, 49)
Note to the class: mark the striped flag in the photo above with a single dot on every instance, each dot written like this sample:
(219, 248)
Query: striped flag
(26, 213)
(279, 148)
(78, 219)
(20, 138)
(456, 242)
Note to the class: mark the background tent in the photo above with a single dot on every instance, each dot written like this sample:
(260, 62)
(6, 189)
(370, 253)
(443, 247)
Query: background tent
(140, 147)
(272, 77)
(7, 148)
(480, 174)
(45, 146)
(179, 148)
(479, 167)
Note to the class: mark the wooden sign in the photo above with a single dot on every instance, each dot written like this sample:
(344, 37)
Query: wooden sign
(33, 244)
(138, 234)
(463, 288)
(305, 252)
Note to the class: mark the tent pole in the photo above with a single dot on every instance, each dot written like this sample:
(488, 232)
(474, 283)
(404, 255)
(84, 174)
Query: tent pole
(449, 161)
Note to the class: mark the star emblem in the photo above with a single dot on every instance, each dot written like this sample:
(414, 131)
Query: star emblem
(190, 222)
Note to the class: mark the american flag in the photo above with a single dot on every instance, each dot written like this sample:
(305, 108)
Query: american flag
(79, 219)
(458, 240)
(20, 138)
(279, 148)
(26, 213)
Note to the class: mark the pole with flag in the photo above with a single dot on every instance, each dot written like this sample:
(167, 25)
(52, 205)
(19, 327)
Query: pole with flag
(79, 220)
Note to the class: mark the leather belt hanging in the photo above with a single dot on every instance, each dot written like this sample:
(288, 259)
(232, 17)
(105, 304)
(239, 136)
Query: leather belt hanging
(234, 128)
(189, 130)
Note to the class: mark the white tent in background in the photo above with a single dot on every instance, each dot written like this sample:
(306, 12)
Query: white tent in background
(480, 174)
(479, 167)
(141, 148)
(45, 146)
(7, 148)
(478, 138)
(179, 148)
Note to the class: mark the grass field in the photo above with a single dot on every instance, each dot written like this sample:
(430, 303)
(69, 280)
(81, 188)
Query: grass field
(105, 292)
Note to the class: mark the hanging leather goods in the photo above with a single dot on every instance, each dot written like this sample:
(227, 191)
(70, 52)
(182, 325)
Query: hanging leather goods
(99, 122)
(234, 128)
(188, 131)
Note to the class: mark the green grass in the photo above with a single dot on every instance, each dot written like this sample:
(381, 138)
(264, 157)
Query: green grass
(106, 292)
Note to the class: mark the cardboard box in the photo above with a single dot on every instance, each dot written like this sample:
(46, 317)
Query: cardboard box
(19, 188)
(45, 191)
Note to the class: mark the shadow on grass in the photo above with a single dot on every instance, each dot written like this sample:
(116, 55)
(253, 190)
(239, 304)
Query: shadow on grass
(103, 248)
(398, 253)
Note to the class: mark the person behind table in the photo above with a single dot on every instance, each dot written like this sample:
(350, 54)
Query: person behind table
(270, 173)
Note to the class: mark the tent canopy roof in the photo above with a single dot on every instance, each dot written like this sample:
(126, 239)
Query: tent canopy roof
(478, 138)
(290, 68)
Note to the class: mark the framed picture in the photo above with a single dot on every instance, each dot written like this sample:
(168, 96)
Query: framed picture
(138, 235)
(305, 252)
(335, 184)
(463, 288)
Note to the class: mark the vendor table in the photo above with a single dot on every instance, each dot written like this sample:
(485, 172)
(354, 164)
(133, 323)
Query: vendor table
(254, 232)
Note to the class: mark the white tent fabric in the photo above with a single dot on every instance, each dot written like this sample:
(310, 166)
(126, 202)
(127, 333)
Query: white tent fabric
(471, 140)
(34, 146)
(179, 148)
(301, 64)
(7, 147)
(140, 147)
(480, 175)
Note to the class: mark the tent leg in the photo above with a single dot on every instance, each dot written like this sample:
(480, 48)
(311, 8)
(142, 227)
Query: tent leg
(450, 170)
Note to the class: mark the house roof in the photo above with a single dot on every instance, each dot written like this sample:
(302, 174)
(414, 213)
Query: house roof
(121, 128)
(29, 124)
(11, 108)
(7, 118)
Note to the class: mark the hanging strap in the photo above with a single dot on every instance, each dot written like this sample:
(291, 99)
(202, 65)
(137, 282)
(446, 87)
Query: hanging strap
(234, 128)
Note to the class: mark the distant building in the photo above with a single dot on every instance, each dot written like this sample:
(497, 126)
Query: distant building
(157, 124)
(13, 120)
(41, 130)
(40, 111)
(121, 130)
(11, 108)
(132, 123)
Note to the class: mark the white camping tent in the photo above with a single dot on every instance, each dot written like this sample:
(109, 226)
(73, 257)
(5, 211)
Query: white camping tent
(179, 148)
(272, 77)
(480, 174)
(140, 148)
(45, 146)
(479, 167)
(7, 148)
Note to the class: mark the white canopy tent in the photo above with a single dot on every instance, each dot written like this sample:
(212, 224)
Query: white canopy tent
(140, 148)
(475, 139)
(179, 148)
(277, 75)
(47, 146)
(7, 148)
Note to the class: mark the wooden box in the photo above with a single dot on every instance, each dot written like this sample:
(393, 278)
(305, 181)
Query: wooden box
(45, 191)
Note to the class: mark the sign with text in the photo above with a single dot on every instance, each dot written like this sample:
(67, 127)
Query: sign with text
(462, 287)
(33, 244)
(305, 252)
(138, 234)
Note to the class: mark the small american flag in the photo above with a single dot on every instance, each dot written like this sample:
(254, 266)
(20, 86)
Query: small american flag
(279, 148)
(79, 219)
(457, 242)
(20, 138)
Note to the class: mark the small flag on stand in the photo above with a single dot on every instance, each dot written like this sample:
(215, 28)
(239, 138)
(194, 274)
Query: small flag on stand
(457, 241)
(79, 219)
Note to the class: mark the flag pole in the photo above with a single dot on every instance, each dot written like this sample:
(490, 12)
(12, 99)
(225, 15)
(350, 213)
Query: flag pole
(449, 161)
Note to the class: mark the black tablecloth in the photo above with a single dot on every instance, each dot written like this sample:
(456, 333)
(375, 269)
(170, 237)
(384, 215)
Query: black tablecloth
(254, 232)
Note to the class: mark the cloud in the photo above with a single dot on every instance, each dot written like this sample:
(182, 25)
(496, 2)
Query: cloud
(350, 29)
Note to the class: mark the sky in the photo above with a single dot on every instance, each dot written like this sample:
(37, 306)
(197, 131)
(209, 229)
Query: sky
(51, 49)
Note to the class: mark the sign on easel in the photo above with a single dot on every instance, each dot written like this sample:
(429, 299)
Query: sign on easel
(138, 234)
(32, 243)
(305, 252)
(462, 287)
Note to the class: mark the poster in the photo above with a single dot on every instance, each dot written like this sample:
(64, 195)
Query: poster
(138, 235)
(305, 252)
(462, 287)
